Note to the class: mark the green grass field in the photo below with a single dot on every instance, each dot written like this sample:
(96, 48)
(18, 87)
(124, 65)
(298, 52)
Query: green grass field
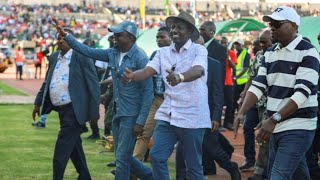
(26, 152)
(7, 90)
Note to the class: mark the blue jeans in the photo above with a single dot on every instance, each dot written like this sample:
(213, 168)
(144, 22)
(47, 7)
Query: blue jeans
(250, 122)
(212, 151)
(287, 152)
(164, 138)
(124, 142)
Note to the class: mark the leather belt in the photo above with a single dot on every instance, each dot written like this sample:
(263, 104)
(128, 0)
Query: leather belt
(65, 106)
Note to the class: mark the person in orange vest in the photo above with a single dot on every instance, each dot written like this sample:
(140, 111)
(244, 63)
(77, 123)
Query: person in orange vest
(19, 62)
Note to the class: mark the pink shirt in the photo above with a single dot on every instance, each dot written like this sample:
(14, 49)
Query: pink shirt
(185, 105)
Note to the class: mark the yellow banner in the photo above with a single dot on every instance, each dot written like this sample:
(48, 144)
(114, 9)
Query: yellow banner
(142, 9)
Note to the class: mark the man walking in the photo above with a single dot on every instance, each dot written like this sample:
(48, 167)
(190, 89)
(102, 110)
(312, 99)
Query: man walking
(290, 72)
(180, 117)
(71, 88)
(131, 101)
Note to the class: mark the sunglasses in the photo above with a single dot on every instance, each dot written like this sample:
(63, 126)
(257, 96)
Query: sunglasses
(277, 24)
(118, 34)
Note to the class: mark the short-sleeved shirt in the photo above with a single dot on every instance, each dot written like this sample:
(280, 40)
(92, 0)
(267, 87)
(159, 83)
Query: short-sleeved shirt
(228, 80)
(185, 105)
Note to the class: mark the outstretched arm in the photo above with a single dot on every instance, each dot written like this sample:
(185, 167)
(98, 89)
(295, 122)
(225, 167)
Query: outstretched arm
(92, 53)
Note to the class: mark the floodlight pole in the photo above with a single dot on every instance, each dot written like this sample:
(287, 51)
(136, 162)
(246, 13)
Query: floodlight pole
(142, 13)
(236, 34)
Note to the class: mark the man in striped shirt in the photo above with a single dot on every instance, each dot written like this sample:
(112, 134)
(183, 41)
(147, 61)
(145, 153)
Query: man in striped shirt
(290, 74)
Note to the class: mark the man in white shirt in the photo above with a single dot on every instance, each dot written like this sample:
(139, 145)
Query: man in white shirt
(184, 114)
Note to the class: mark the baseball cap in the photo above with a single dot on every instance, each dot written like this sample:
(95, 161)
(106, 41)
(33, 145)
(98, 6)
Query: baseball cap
(240, 41)
(283, 13)
(128, 26)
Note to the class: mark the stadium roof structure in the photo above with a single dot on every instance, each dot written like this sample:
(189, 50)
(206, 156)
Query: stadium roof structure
(240, 25)
(309, 27)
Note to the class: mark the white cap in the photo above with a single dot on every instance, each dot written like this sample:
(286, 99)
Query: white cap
(240, 41)
(283, 13)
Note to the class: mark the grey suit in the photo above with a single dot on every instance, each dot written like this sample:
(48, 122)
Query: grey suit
(84, 92)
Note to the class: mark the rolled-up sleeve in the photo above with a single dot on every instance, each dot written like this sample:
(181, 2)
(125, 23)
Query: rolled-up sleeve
(306, 77)
(201, 57)
(155, 63)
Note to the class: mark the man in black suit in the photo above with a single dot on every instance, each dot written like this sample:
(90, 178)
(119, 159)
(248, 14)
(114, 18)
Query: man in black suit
(215, 51)
(71, 88)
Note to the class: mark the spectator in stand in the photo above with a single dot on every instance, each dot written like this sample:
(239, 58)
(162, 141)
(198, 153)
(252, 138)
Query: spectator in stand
(19, 55)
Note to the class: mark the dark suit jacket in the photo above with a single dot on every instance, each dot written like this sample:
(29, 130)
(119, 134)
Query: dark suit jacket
(84, 88)
(218, 52)
(215, 89)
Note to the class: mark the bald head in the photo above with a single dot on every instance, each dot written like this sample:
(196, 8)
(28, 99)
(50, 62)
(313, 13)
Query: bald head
(265, 39)
(207, 30)
(256, 46)
(199, 41)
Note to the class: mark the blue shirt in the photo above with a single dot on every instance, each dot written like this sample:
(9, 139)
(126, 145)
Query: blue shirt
(133, 99)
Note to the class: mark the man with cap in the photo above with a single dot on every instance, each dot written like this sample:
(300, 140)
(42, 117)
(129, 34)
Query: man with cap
(290, 73)
(131, 101)
(184, 114)
(243, 59)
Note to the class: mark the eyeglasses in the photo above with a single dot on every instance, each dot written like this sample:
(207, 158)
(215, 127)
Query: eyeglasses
(277, 24)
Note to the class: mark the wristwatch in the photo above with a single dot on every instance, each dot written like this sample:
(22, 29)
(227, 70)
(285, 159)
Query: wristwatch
(276, 116)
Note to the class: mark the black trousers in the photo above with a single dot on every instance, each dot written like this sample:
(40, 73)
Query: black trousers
(216, 148)
(228, 102)
(69, 145)
(237, 90)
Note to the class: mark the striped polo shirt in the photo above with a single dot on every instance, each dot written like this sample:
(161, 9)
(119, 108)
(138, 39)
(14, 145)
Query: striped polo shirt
(287, 73)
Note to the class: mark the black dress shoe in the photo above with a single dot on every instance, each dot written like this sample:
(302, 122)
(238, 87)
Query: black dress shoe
(94, 136)
(113, 172)
(228, 126)
(111, 164)
(39, 124)
(84, 129)
(235, 173)
(247, 166)
(256, 177)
